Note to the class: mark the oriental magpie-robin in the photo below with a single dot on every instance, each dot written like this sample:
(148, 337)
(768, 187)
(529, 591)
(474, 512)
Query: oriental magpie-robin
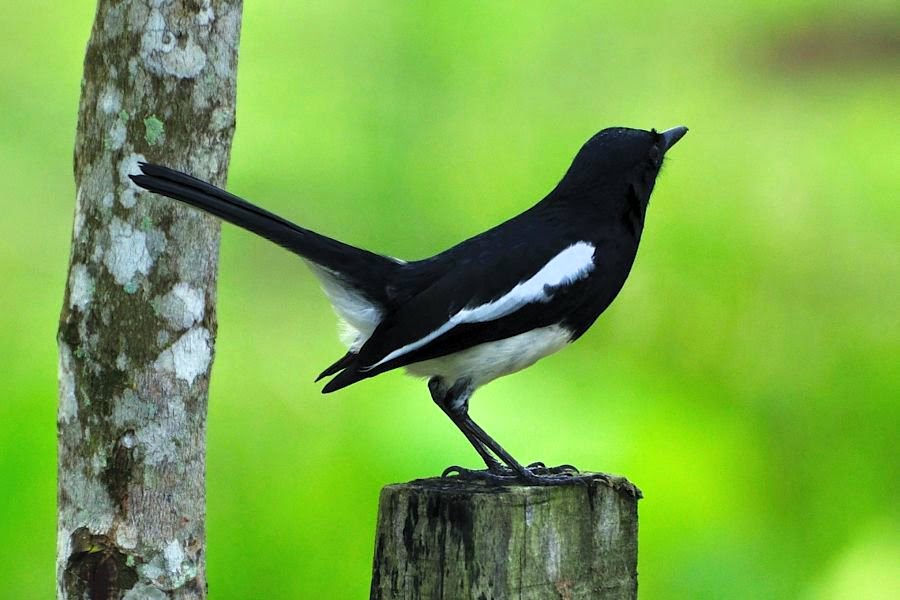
(489, 306)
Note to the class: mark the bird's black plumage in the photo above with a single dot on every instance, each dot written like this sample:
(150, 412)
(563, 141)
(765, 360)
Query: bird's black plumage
(368, 272)
(490, 305)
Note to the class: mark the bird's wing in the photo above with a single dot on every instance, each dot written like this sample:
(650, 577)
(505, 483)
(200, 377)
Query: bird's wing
(493, 296)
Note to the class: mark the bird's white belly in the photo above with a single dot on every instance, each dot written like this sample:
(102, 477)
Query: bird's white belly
(488, 361)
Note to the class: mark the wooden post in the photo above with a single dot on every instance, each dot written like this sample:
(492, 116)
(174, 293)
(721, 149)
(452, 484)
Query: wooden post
(452, 539)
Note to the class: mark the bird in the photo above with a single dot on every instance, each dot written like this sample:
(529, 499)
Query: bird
(489, 306)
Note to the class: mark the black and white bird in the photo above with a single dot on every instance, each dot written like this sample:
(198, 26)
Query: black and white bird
(487, 307)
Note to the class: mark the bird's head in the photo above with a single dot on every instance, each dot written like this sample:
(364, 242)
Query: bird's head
(620, 163)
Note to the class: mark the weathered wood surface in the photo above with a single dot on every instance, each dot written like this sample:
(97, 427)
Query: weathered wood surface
(455, 540)
(138, 322)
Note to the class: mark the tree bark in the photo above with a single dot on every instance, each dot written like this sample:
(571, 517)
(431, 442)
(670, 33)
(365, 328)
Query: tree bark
(447, 539)
(138, 322)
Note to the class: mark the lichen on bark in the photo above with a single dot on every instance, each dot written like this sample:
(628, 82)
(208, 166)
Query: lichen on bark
(137, 328)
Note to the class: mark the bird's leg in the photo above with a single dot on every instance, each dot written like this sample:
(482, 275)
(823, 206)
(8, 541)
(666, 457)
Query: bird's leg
(446, 397)
(481, 435)
(535, 473)
(521, 472)
(454, 401)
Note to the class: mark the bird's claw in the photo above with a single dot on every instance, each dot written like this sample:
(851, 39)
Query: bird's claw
(539, 468)
(500, 475)
(533, 474)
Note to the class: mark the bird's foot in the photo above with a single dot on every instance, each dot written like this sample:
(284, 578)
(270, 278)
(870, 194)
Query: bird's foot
(497, 476)
(533, 474)
(540, 469)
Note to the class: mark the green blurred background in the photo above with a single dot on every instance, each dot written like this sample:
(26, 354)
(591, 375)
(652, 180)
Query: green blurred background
(746, 378)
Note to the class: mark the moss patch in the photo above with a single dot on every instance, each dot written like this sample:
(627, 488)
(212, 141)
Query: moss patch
(154, 131)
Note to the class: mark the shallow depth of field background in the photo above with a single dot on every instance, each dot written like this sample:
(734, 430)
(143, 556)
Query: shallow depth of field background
(746, 378)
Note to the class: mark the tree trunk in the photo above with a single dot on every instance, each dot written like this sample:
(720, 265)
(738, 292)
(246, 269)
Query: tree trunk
(446, 538)
(138, 320)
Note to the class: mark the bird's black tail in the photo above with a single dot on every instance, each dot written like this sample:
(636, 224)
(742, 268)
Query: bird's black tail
(366, 271)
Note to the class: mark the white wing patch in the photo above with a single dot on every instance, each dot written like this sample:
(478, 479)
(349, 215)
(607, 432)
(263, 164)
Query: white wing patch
(358, 316)
(572, 264)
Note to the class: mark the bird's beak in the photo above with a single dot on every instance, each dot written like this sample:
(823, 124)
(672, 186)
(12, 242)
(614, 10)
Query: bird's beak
(672, 136)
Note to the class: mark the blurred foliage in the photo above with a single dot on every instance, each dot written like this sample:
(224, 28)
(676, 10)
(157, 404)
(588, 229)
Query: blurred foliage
(746, 378)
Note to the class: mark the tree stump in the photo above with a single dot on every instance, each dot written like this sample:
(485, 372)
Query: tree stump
(445, 538)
